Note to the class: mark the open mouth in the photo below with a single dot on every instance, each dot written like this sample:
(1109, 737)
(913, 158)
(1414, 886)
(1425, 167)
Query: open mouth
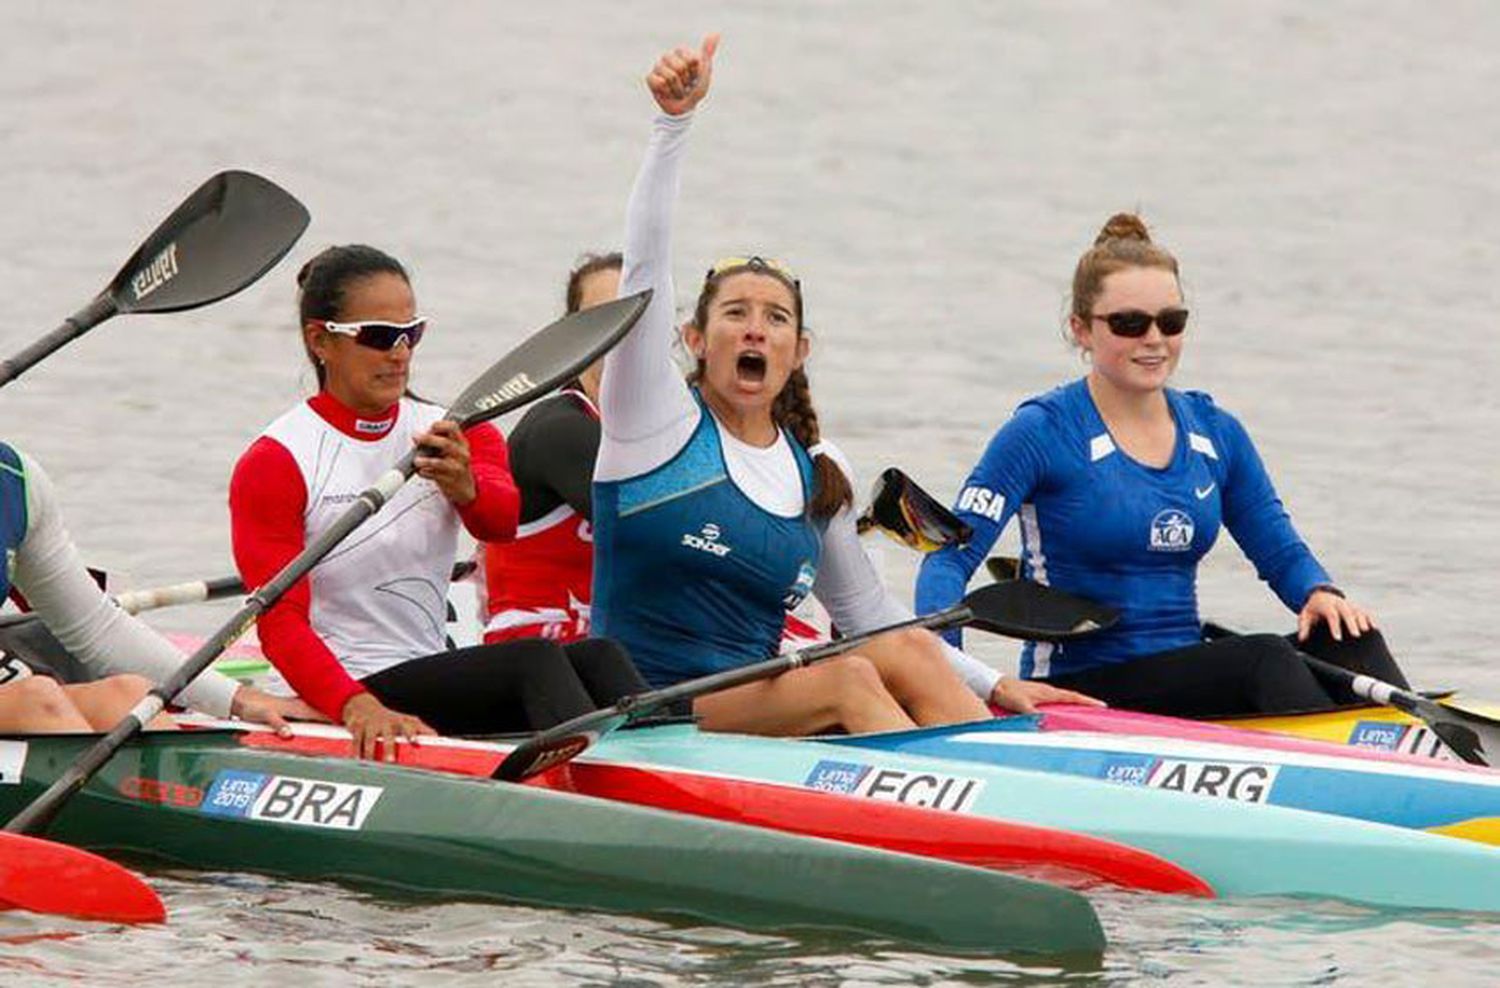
(750, 367)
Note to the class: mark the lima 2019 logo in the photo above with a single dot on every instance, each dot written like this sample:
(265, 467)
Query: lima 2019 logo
(1172, 531)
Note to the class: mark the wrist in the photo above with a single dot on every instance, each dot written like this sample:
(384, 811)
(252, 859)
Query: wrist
(356, 702)
(1325, 588)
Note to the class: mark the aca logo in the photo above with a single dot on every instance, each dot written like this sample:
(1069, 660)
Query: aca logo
(1172, 531)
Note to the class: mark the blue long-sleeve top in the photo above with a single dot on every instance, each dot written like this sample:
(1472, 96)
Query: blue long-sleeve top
(1097, 523)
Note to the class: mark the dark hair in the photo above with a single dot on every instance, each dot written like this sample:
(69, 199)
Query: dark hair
(1124, 242)
(793, 407)
(324, 280)
(589, 264)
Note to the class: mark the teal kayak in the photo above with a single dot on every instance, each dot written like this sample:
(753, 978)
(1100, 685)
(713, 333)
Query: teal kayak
(1238, 848)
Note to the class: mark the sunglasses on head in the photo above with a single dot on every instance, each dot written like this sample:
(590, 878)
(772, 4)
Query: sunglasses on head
(377, 334)
(1135, 323)
(762, 265)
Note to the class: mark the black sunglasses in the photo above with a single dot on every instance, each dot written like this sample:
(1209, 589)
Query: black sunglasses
(1134, 323)
(379, 335)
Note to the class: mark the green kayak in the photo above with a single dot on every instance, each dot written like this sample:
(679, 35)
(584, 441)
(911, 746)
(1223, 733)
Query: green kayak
(202, 800)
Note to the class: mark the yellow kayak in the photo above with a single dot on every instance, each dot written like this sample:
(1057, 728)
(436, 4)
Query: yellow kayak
(1381, 728)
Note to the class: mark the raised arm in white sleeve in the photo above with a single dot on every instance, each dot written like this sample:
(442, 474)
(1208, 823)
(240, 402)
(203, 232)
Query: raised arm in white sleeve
(51, 573)
(851, 590)
(646, 411)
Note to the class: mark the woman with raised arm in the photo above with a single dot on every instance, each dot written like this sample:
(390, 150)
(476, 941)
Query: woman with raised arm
(1121, 485)
(361, 638)
(717, 504)
(44, 565)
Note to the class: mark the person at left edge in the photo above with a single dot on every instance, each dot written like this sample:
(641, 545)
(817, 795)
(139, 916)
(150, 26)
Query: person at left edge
(125, 654)
(361, 638)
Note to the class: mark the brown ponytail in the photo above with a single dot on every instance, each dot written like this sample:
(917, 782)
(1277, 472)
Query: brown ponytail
(793, 408)
(1123, 243)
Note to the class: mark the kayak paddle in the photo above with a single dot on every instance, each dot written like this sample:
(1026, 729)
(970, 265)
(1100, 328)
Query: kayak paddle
(136, 601)
(1008, 609)
(911, 516)
(1473, 737)
(549, 358)
(221, 239)
(42, 876)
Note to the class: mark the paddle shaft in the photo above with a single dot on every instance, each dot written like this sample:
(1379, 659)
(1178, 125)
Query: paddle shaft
(136, 601)
(1375, 690)
(36, 817)
(563, 741)
(80, 322)
(643, 704)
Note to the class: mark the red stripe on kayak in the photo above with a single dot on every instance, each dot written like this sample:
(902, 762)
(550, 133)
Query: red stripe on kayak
(1053, 855)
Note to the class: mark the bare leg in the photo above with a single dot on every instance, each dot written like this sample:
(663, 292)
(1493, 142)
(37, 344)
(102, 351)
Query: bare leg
(38, 705)
(843, 692)
(106, 702)
(917, 673)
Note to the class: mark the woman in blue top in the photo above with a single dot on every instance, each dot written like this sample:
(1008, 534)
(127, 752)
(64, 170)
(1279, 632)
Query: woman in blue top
(718, 507)
(1121, 485)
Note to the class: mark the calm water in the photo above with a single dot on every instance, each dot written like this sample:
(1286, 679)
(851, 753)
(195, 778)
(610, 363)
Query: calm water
(1327, 173)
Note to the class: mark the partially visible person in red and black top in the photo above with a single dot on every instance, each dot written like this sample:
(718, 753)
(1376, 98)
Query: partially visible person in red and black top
(361, 638)
(538, 584)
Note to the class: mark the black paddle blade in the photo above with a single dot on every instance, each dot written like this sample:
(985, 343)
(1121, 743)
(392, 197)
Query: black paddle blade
(550, 357)
(911, 516)
(1022, 609)
(553, 747)
(1464, 741)
(1003, 567)
(1473, 737)
(222, 238)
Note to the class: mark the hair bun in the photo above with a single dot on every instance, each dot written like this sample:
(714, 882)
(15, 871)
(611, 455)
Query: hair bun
(1123, 226)
(306, 270)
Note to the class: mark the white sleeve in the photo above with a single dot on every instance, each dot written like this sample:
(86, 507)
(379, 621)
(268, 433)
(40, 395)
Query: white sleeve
(850, 589)
(50, 572)
(646, 411)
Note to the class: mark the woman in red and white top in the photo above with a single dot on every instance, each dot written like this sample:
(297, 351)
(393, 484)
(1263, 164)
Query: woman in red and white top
(361, 638)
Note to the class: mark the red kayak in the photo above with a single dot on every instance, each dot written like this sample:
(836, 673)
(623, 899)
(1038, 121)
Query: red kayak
(42, 876)
(1059, 856)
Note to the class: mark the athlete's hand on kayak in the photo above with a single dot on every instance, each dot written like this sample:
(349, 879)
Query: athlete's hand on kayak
(1022, 695)
(448, 462)
(260, 707)
(375, 725)
(680, 78)
(1339, 614)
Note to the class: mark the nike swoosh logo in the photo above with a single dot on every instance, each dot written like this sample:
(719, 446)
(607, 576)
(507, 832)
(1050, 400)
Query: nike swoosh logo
(1203, 492)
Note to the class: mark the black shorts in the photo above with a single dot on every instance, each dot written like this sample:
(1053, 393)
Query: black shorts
(1237, 675)
(508, 687)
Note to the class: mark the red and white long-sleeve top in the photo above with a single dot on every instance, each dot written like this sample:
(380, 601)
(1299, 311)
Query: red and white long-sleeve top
(379, 598)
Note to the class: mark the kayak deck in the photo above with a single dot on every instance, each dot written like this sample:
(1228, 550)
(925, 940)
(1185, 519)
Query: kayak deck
(1044, 853)
(202, 800)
